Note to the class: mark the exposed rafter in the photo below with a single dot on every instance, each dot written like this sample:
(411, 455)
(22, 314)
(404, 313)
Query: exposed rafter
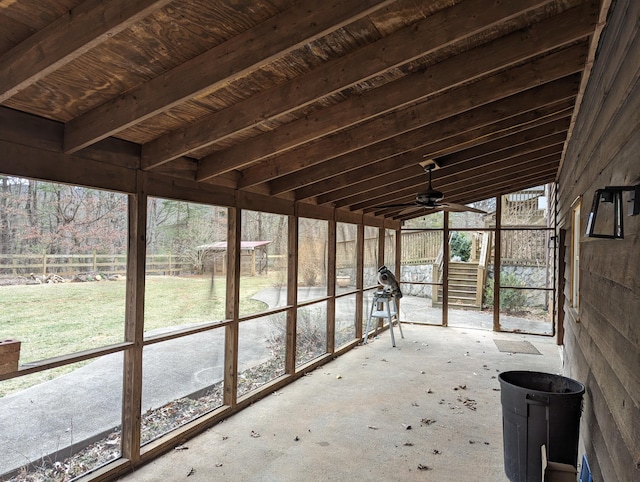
(311, 105)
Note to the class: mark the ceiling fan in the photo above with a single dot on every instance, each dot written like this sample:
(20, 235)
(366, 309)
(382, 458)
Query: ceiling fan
(430, 200)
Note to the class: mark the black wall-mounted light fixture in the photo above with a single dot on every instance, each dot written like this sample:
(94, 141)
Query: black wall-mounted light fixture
(606, 219)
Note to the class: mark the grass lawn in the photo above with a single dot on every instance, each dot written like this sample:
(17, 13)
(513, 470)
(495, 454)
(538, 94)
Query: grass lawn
(58, 319)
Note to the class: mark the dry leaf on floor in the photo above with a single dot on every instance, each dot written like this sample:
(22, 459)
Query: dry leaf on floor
(469, 403)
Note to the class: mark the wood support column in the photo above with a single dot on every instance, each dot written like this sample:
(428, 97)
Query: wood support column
(381, 235)
(497, 253)
(331, 287)
(134, 323)
(359, 280)
(232, 307)
(292, 295)
(445, 269)
(398, 262)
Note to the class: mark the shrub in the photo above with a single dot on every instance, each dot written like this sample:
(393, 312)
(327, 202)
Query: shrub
(460, 246)
(511, 300)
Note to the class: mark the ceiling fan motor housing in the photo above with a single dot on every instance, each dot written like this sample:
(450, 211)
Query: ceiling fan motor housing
(429, 197)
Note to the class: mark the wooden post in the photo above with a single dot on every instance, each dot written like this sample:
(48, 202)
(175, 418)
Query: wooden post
(95, 264)
(381, 240)
(445, 269)
(234, 229)
(9, 356)
(134, 323)
(44, 263)
(497, 254)
(474, 247)
(359, 280)
(292, 295)
(398, 240)
(331, 288)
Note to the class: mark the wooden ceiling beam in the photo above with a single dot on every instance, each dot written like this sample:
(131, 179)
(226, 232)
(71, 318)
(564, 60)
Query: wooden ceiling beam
(533, 177)
(406, 190)
(496, 148)
(453, 72)
(244, 53)
(433, 137)
(507, 168)
(391, 169)
(416, 181)
(511, 146)
(444, 28)
(67, 38)
(408, 194)
(472, 189)
(479, 190)
(435, 109)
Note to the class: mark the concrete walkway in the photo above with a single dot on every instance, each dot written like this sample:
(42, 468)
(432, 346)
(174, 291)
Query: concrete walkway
(419, 310)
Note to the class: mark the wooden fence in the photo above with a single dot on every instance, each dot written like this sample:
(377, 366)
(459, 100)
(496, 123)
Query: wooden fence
(72, 264)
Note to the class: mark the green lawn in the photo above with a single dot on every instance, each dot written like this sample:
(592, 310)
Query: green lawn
(58, 319)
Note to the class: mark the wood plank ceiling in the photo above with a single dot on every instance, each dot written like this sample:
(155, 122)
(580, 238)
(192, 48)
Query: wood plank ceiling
(328, 103)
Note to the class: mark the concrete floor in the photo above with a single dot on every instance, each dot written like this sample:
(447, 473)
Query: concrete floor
(428, 410)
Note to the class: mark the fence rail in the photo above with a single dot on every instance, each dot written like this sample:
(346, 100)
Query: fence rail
(72, 264)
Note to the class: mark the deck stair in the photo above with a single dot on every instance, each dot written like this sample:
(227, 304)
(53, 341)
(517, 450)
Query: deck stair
(463, 287)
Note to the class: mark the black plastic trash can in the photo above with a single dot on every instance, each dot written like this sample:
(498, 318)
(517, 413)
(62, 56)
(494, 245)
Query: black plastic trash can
(538, 408)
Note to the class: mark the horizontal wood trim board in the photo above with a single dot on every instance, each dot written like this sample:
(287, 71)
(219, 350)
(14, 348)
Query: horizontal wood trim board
(24, 161)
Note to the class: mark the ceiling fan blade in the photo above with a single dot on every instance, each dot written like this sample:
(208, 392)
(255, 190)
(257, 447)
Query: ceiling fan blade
(414, 208)
(452, 207)
(402, 205)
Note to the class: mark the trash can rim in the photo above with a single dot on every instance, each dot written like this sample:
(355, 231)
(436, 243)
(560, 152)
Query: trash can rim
(575, 387)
